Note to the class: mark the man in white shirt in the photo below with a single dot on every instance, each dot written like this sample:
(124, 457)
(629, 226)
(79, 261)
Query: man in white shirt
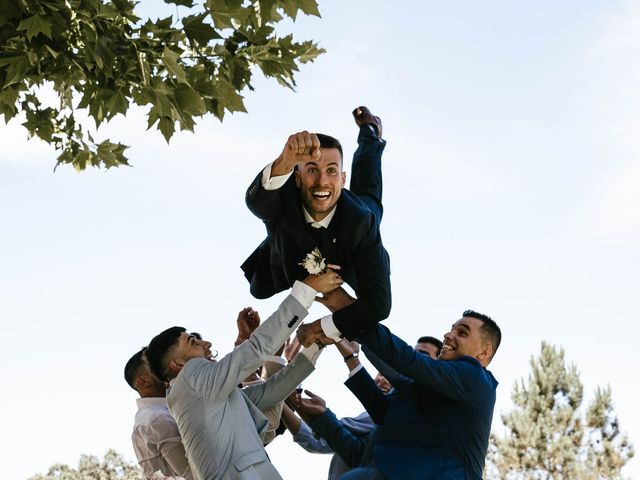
(156, 440)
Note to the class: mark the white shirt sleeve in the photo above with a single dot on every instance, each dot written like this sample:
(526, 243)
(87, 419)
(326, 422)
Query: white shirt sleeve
(304, 294)
(329, 328)
(355, 370)
(273, 183)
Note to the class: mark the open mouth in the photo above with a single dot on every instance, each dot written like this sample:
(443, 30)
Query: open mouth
(447, 347)
(320, 194)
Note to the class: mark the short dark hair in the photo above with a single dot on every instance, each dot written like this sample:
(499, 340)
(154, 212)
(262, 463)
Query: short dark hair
(158, 348)
(490, 328)
(432, 340)
(132, 367)
(327, 141)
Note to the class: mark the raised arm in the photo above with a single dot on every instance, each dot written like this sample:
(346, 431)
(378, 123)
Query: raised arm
(447, 378)
(269, 192)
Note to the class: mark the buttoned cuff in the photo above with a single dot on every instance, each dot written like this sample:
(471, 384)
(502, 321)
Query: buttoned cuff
(303, 293)
(273, 183)
(355, 370)
(312, 353)
(329, 328)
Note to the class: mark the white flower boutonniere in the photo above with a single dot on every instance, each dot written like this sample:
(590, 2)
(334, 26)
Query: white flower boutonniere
(314, 262)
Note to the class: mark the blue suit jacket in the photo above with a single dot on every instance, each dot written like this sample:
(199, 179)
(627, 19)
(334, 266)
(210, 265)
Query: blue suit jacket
(352, 240)
(437, 426)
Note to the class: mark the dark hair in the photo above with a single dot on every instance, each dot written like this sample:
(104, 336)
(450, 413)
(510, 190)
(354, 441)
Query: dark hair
(329, 142)
(490, 328)
(158, 348)
(432, 340)
(132, 368)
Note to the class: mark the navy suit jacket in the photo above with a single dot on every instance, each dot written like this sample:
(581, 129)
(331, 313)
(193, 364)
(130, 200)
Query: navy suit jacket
(436, 427)
(352, 241)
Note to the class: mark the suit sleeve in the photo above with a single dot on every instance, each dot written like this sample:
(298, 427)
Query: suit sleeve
(373, 400)
(372, 268)
(267, 205)
(341, 440)
(310, 442)
(450, 379)
(220, 378)
(281, 384)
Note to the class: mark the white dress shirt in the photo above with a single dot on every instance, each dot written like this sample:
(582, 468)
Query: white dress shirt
(156, 441)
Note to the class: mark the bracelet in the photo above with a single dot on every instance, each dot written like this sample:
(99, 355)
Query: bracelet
(349, 357)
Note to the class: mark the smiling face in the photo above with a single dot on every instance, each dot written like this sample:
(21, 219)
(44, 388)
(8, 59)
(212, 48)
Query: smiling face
(188, 347)
(320, 183)
(466, 338)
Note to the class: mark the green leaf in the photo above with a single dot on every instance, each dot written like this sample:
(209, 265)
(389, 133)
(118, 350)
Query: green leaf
(167, 127)
(196, 29)
(189, 100)
(310, 7)
(35, 25)
(170, 59)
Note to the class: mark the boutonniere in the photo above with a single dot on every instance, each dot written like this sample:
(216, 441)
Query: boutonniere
(314, 262)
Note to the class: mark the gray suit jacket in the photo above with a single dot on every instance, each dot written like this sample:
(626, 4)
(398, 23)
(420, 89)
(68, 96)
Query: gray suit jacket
(221, 425)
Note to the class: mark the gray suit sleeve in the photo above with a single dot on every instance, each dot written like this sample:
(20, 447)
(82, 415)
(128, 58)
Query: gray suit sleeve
(234, 367)
(281, 384)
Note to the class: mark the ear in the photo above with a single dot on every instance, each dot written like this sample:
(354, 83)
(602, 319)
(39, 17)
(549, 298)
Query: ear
(142, 381)
(175, 365)
(484, 356)
(296, 176)
(344, 178)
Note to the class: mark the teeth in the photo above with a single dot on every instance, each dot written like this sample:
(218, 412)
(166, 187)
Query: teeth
(447, 347)
(322, 194)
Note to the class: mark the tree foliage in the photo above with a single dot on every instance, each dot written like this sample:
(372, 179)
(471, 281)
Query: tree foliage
(100, 58)
(549, 438)
(111, 467)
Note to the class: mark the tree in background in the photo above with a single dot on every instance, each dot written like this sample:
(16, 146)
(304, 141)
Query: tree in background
(111, 467)
(100, 58)
(547, 436)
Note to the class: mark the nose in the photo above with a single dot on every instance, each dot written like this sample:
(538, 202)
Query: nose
(448, 335)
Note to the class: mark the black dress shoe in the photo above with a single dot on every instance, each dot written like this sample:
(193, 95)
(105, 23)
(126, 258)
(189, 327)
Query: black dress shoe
(364, 117)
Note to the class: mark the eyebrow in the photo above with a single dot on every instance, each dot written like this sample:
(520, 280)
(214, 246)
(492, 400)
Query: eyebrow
(316, 165)
(461, 325)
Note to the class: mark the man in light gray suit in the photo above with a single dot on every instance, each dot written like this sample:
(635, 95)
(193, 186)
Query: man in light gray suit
(220, 424)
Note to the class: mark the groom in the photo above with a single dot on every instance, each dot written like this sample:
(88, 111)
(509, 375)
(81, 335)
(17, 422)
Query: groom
(302, 201)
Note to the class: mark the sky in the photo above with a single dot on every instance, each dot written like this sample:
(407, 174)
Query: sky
(512, 186)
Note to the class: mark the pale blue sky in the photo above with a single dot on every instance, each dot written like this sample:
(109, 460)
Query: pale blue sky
(512, 186)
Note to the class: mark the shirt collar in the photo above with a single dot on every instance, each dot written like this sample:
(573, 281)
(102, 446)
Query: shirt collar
(150, 402)
(324, 223)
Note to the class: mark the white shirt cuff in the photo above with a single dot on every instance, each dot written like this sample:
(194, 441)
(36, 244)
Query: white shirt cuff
(273, 183)
(275, 359)
(355, 370)
(329, 328)
(312, 353)
(304, 294)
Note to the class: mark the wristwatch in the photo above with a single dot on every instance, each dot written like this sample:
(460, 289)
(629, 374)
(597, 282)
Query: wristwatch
(350, 356)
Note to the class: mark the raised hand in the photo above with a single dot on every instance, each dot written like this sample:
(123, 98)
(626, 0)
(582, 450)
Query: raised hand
(291, 348)
(248, 320)
(325, 282)
(301, 147)
(336, 299)
(313, 406)
(310, 333)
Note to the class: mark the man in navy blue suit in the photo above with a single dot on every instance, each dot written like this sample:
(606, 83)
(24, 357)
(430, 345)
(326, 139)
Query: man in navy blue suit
(436, 426)
(302, 201)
